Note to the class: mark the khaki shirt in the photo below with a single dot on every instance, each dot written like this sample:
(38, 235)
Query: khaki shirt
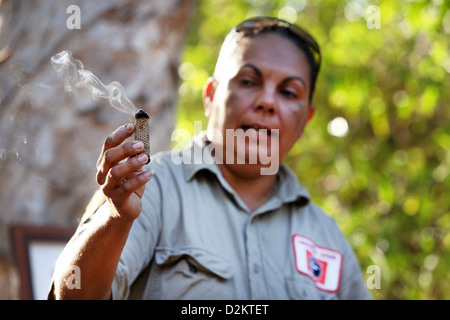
(196, 239)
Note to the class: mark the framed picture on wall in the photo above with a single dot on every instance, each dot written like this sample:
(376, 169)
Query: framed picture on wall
(36, 249)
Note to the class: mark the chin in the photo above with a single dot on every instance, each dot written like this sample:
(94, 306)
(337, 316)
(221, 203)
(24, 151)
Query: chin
(245, 171)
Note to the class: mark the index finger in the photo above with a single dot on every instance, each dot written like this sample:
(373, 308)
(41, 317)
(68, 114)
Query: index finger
(114, 139)
(118, 136)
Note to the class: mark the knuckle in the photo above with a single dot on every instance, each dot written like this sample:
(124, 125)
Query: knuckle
(105, 191)
(108, 157)
(132, 163)
(127, 188)
(100, 176)
(114, 172)
(99, 164)
(108, 142)
(100, 179)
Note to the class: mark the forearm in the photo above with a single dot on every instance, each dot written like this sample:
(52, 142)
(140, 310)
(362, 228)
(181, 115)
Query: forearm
(95, 253)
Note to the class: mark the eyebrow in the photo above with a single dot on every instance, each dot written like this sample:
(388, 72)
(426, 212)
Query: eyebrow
(259, 73)
(255, 69)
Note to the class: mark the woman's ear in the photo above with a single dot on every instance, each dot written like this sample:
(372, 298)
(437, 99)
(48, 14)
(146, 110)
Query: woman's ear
(312, 109)
(209, 89)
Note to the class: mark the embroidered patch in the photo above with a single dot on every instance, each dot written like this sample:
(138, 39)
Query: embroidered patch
(322, 265)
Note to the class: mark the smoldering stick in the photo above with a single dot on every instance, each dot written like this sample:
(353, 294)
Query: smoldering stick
(142, 130)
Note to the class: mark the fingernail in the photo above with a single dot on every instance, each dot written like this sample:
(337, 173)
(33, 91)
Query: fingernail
(138, 145)
(129, 127)
(142, 158)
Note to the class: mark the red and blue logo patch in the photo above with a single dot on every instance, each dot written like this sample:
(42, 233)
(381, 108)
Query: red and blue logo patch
(322, 265)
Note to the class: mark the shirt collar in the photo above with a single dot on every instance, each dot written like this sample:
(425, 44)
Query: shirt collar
(195, 158)
(289, 189)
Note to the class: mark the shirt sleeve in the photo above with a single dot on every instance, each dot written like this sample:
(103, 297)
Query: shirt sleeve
(141, 242)
(352, 283)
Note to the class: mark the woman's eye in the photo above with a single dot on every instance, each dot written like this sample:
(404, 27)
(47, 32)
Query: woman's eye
(289, 94)
(247, 81)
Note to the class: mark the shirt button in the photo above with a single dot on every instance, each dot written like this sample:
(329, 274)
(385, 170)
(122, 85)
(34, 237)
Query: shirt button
(256, 268)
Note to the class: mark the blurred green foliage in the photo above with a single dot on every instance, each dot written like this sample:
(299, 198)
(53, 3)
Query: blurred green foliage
(386, 179)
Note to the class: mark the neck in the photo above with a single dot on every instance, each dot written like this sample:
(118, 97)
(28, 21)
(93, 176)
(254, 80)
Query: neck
(252, 187)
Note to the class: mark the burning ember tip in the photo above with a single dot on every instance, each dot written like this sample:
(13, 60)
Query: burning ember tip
(141, 114)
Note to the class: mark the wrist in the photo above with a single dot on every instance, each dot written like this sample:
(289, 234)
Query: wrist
(113, 219)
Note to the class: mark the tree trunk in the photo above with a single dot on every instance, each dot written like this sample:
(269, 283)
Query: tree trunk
(50, 139)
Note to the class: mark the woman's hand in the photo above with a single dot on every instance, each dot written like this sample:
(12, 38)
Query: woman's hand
(120, 174)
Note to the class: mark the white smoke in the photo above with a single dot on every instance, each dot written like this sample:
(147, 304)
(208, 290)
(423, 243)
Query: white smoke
(75, 76)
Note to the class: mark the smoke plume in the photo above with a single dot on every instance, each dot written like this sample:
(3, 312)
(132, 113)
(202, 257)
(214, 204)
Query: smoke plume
(75, 76)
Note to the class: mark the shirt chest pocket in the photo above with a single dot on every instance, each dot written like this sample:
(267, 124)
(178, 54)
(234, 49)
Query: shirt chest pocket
(190, 273)
(302, 288)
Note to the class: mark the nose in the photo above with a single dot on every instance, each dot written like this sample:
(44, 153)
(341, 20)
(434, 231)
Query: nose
(266, 100)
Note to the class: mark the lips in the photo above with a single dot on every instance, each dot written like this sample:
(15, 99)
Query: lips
(258, 128)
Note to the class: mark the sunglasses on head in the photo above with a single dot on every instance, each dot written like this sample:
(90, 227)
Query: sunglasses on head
(258, 24)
